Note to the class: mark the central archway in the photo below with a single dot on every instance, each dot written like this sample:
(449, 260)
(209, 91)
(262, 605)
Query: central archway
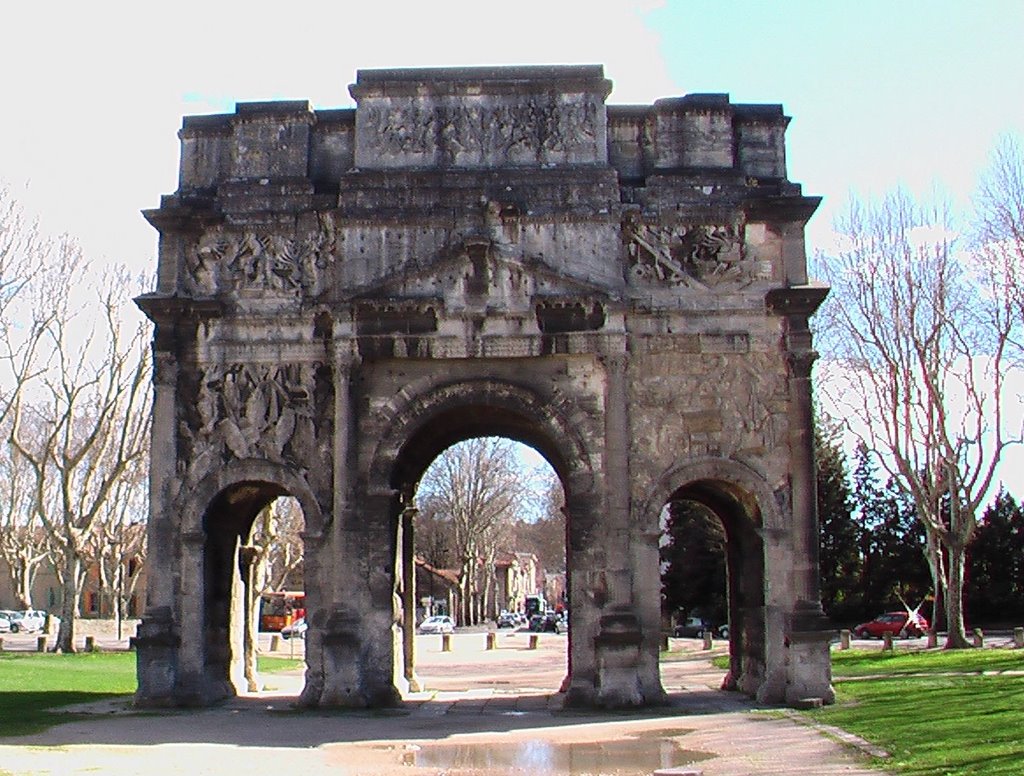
(436, 417)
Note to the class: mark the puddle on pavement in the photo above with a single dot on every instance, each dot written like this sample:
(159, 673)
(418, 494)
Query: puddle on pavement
(628, 757)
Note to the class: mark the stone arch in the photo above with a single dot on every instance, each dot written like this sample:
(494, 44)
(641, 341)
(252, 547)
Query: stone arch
(216, 518)
(596, 312)
(474, 407)
(427, 418)
(193, 504)
(743, 502)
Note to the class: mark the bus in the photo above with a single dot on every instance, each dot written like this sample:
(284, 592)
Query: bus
(535, 604)
(281, 608)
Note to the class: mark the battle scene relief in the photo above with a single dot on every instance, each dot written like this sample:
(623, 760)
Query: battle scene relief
(226, 261)
(247, 411)
(697, 256)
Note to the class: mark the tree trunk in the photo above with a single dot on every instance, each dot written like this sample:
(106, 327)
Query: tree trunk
(70, 592)
(23, 588)
(118, 599)
(936, 568)
(957, 636)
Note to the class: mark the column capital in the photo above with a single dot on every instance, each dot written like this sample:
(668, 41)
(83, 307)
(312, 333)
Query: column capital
(801, 362)
(796, 300)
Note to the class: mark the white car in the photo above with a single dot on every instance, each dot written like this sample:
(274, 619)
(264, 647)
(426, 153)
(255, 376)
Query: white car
(439, 623)
(296, 630)
(5, 620)
(28, 621)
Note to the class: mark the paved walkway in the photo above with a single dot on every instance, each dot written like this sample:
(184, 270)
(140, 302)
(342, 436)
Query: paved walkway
(484, 712)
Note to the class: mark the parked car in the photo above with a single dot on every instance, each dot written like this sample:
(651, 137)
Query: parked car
(296, 630)
(549, 622)
(903, 624)
(5, 620)
(507, 620)
(693, 628)
(696, 627)
(439, 623)
(28, 621)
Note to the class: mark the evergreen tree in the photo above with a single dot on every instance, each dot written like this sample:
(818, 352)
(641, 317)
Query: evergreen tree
(892, 543)
(839, 555)
(995, 564)
(693, 563)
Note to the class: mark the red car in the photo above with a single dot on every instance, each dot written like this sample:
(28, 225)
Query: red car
(902, 624)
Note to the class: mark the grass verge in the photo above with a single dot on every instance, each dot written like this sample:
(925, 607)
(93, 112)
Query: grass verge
(935, 712)
(34, 686)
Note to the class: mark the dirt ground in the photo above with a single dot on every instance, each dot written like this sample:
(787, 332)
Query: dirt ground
(481, 712)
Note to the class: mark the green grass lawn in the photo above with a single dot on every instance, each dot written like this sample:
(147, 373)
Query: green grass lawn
(33, 685)
(948, 719)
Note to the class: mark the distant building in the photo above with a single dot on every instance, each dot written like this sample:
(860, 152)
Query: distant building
(517, 576)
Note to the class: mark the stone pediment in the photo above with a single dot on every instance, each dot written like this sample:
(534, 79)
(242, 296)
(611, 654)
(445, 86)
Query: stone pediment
(478, 274)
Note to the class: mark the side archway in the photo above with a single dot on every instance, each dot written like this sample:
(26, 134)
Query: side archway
(746, 508)
(219, 630)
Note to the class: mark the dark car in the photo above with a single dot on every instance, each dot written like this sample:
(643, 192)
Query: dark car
(696, 627)
(507, 620)
(693, 628)
(549, 622)
(902, 624)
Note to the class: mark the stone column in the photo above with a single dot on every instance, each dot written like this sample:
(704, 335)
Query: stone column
(247, 559)
(163, 472)
(619, 637)
(158, 639)
(191, 663)
(409, 599)
(810, 631)
(343, 431)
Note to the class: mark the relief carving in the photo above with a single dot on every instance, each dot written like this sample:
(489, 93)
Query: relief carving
(752, 396)
(540, 127)
(251, 411)
(694, 256)
(225, 261)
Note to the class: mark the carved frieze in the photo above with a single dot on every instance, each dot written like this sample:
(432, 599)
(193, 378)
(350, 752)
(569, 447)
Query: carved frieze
(245, 411)
(533, 129)
(695, 256)
(228, 261)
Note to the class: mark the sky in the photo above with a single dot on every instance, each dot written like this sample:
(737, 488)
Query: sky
(882, 94)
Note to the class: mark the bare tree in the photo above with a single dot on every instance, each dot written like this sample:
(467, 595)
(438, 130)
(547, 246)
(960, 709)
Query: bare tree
(434, 540)
(545, 535)
(478, 488)
(89, 404)
(918, 343)
(998, 237)
(24, 545)
(277, 541)
(24, 311)
(116, 547)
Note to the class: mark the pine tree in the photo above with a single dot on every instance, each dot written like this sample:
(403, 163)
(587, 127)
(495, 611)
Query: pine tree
(995, 564)
(693, 562)
(839, 556)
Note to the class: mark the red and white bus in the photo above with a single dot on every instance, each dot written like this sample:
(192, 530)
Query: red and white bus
(281, 608)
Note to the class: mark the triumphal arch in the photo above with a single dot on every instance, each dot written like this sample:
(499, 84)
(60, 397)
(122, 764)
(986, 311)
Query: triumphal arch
(342, 294)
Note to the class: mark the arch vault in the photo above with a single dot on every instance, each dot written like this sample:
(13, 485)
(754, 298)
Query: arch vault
(342, 294)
